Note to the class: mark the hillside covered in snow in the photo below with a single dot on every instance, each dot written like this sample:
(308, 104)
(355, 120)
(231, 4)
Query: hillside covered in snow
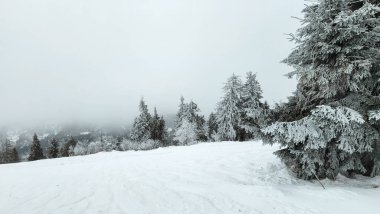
(227, 177)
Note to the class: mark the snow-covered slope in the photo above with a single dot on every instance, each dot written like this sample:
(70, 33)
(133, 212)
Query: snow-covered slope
(204, 178)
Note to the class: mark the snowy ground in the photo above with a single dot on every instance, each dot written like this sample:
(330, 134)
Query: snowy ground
(205, 178)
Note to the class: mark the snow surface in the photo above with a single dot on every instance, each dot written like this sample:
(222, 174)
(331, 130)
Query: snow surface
(228, 177)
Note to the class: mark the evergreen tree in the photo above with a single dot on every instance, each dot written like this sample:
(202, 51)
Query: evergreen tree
(8, 153)
(212, 127)
(229, 110)
(254, 112)
(36, 152)
(158, 131)
(14, 156)
(186, 133)
(68, 148)
(193, 116)
(2, 154)
(190, 112)
(181, 113)
(324, 127)
(163, 137)
(53, 150)
(141, 130)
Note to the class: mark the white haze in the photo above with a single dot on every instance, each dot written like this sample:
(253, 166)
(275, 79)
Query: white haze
(92, 60)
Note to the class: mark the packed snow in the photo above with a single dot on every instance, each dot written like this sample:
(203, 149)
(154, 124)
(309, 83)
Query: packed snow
(227, 177)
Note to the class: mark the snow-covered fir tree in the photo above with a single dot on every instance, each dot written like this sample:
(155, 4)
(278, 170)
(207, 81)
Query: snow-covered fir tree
(326, 127)
(141, 130)
(8, 152)
(36, 152)
(190, 113)
(254, 112)
(329, 141)
(53, 149)
(229, 110)
(3, 151)
(14, 157)
(212, 127)
(68, 148)
(158, 130)
(82, 147)
(186, 133)
(181, 113)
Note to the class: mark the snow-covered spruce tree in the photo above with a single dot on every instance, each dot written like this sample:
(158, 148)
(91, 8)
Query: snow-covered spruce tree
(192, 115)
(186, 133)
(163, 133)
(324, 128)
(337, 48)
(328, 141)
(254, 112)
(374, 118)
(8, 153)
(212, 127)
(36, 152)
(53, 149)
(68, 148)
(94, 147)
(5, 148)
(14, 156)
(190, 112)
(228, 112)
(181, 113)
(141, 130)
(2, 152)
(158, 131)
(82, 147)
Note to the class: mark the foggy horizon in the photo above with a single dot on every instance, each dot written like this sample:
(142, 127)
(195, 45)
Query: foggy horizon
(92, 62)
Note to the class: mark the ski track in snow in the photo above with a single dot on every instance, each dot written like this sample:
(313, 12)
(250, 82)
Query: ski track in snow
(227, 177)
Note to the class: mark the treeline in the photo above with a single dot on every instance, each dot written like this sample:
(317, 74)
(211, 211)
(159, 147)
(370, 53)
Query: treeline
(240, 116)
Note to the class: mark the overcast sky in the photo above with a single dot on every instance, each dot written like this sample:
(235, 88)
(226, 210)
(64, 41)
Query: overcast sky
(94, 59)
